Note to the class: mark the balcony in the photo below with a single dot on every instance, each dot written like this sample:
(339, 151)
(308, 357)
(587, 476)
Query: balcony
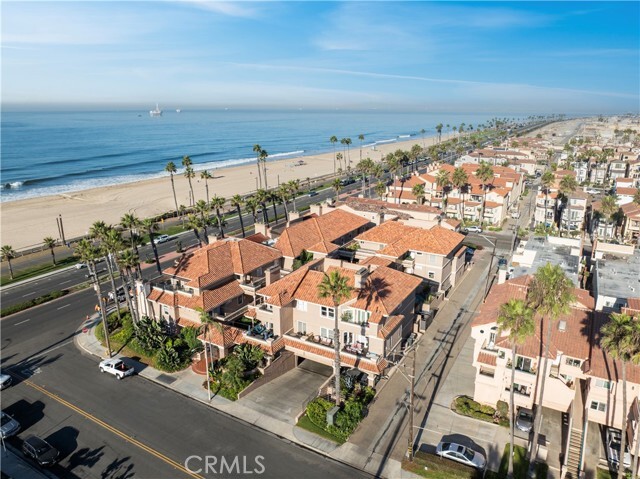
(231, 315)
(260, 333)
(533, 371)
(489, 372)
(174, 288)
(355, 350)
(520, 390)
(253, 284)
(347, 317)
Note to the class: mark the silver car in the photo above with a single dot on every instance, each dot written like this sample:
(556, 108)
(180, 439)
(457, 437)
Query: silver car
(462, 454)
(8, 425)
(5, 381)
(524, 420)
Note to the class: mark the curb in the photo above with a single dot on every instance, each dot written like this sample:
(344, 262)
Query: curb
(88, 324)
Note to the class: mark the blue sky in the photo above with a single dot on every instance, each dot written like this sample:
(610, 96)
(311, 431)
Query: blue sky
(573, 57)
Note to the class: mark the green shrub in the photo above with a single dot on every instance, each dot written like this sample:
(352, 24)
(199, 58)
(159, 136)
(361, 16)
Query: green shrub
(250, 355)
(150, 335)
(167, 359)
(317, 411)
(502, 408)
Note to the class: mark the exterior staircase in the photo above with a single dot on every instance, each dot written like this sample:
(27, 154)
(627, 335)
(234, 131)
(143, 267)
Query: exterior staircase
(572, 467)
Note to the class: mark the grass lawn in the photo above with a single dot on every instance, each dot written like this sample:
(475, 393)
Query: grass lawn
(305, 423)
(520, 465)
(434, 467)
(603, 474)
(38, 270)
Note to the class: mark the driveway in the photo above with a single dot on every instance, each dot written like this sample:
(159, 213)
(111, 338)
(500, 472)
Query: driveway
(286, 396)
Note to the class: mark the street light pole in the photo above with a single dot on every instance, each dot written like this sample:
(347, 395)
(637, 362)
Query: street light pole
(411, 397)
(493, 253)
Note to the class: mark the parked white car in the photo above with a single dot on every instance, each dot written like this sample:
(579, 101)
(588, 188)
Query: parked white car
(462, 454)
(161, 239)
(5, 380)
(117, 367)
(473, 229)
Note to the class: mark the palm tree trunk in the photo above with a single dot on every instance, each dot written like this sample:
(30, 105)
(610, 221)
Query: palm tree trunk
(512, 409)
(538, 419)
(103, 313)
(259, 175)
(113, 286)
(336, 347)
(175, 199)
(206, 186)
(155, 252)
(193, 198)
(264, 168)
(625, 412)
(134, 298)
(484, 200)
(53, 257)
(546, 200)
(240, 218)
(286, 211)
(206, 360)
(275, 212)
(220, 227)
(127, 297)
(10, 268)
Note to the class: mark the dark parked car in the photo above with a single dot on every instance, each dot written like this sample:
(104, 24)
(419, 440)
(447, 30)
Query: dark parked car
(40, 451)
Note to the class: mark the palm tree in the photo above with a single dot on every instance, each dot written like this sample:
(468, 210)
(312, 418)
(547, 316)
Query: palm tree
(339, 158)
(419, 192)
(460, 179)
(294, 188)
(202, 208)
(102, 232)
(515, 320)
(380, 189)
(251, 203)
(206, 176)
(8, 253)
(113, 244)
(361, 138)
(189, 174)
(195, 223)
(131, 222)
(263, 159)
(546, 181)
(50, 243)
(262, 196)
(150, 226)
(236, 200)
(337, 187)
(550, 294)
(171, 169)
(484, 173)
(258, 150)
(218, 203)
(207, 321)
(333, 141)
(283, 194)
(336, 287)
(568, 185)
(129, 262)
(636, 197)
(617, 341)
(443, 180)
(88, 254)
(439, 131)
(609, 207)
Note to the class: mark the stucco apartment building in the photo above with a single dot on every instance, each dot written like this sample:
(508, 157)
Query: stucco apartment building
(436, 255)
(221, 278)
(374, 320)
(581, 379)
(631, 223)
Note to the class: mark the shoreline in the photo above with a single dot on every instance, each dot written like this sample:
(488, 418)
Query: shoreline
(25, 222)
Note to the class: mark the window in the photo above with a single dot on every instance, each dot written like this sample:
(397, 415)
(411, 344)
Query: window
(601, 383)
(573, 362)
(598, 406)
(301, 305)
(524, 364)
(431, 275)
(327, 312)
(361, 316)
(326, 333)
(302, 327)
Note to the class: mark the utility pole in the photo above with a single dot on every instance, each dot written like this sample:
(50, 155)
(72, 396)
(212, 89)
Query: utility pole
(411, 398)
(486, 287)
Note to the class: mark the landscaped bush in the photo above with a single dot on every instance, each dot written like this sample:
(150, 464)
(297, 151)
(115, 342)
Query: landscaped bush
(16, 308)
(468, 407)
(230, 375)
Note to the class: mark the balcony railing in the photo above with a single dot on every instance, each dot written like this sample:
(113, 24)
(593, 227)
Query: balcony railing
(520, 391)
(532, 370)
(173, 288)
(487, 372)
(254, 283)
(230, 316)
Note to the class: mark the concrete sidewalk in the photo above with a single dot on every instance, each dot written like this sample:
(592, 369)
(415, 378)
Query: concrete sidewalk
(190, 384)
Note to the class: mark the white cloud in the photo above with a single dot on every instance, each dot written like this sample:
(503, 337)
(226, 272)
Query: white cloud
(232, 9)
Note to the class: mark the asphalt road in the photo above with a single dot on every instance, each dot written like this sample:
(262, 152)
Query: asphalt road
(119, 429)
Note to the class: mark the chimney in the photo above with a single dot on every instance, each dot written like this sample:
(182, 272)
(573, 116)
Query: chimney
(317, 209)
(502, 274)
(562, 325)
(361, 278)
(272, 275)
(262, 228)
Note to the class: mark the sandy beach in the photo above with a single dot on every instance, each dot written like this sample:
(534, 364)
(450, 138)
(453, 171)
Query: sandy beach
(25, 223)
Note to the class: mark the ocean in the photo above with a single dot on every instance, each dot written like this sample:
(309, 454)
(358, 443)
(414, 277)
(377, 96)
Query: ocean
(47, 153)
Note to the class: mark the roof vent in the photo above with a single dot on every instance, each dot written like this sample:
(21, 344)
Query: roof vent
(562, 325)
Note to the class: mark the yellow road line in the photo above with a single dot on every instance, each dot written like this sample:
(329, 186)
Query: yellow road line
(115, 431)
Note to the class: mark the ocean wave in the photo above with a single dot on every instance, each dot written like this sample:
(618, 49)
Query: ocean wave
(391, 140)
(404, 136)
(13, 185)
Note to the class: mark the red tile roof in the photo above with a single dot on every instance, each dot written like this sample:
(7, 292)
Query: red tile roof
(207, 300)
(229, 336)
(486, 358)
(390, 325)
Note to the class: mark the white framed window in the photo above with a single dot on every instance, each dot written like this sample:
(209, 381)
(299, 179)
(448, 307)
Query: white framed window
(301, 305)
(302, 327)
(598, 406)
(601, 383)
(326, 333)
(327, 312)
(573, 362)
(431, 275)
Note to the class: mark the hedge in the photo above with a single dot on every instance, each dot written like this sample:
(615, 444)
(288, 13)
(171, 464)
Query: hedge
(16, 308)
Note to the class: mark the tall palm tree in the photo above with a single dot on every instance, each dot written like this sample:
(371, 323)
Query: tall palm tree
(516, 321)
(294, 188)
(551, 295)
(112, 244)
(263, 159)
(150, 226)
(171, 169)
(195, 223)
(380, 189)
(129, 262)
(568, 185)
(609, 207)
(207, 322)
(131, 222)
(283, 194)
(202, 208)
(189, 174)
(89, 254)
(8, 253)
(339, 158)
(635, 359)
(50, 243)
(546, 181)
(617, 341)
(485, 174)
(439, 131)
(262, 197)
(361, 138)
(333, 141)
(419, 192)
(336, 287)
(258, 149)
(100, 231)
(443, 181)
(206, 176)
(236, 200)
(348, 142)
(460, 179)
(337, 187)
(218, 202)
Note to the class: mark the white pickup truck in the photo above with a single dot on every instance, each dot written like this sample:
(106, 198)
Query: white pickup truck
(117, 367)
